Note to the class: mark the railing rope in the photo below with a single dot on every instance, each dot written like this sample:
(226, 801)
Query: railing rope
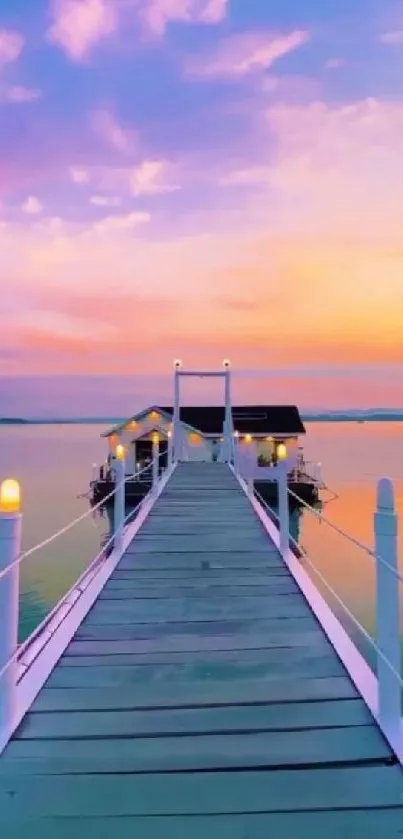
(348, 536)
(386, 644)
(48, 541)
(10, 561)
(307, 560)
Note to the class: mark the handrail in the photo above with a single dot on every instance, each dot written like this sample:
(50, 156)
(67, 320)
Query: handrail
(22, 648)
(334, 594)
(23, 556)
(346, 535)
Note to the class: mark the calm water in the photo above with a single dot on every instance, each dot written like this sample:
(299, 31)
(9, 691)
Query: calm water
(53, 464)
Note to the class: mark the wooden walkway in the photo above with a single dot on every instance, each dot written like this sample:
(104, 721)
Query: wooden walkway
(200, 698)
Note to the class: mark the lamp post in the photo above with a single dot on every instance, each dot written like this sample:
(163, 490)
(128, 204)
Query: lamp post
(119, 507)
(10, 546)
(176, 411)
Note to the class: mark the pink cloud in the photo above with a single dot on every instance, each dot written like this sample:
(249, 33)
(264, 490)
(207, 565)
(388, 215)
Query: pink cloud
(78, 25)
(105, 200)
(157, 14)
(20, 95)
(239, 55)
(393, 37)
(151, 178)
(334, 63)
(109, 129)
(11, 46)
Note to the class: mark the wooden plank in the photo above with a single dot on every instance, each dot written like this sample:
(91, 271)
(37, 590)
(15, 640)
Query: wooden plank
(157, 675)
(197, 694)
(215, 792)
(205, 561)
(199, 628)
(332, 824)
(190, 576)
(136, 592)
(195, 644)
(248, 656)
(345, 713)
(224, 543)
(189, 753)
(108, 611)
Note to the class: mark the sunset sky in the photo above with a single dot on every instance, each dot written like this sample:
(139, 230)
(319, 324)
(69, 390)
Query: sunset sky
(200, 179)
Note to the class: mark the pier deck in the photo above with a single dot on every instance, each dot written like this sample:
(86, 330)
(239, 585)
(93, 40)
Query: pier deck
(200, 698)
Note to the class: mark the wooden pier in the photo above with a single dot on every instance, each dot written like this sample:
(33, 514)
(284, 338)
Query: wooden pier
(200, 698)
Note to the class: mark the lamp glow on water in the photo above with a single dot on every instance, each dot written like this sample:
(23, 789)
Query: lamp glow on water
(10, 496)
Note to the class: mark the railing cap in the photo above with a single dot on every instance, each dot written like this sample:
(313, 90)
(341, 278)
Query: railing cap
(385, 496)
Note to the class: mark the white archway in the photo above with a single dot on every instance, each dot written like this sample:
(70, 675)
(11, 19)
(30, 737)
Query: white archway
(225, 373)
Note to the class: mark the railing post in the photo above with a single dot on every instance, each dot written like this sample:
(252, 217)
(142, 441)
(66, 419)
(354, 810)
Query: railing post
(170, 447)
(387, 604)
(283, 506)
(156, 461)
(10, 546)
(119, 498)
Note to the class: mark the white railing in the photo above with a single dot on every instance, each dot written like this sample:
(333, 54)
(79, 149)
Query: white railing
(15, 660)
(382, 691)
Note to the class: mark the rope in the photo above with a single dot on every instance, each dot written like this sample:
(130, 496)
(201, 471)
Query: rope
(357, 624)
(21, 649)
(22, 557)
(347, 536)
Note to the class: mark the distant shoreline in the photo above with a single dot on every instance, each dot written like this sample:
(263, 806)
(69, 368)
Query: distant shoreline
(355, 418)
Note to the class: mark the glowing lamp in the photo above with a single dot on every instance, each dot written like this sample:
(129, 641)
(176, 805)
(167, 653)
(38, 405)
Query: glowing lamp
(226, 363)
(177, 364)
(169, 435)
(120, 452)
(236, 434)
(282, 451)
(154, 415)
(10, 496)
(248, 438)
(155, 437)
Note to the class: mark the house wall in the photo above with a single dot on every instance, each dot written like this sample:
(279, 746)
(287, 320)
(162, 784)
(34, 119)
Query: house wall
(135, 430)
(196, 447)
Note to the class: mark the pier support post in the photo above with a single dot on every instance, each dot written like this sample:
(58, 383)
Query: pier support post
(387, 604)
(10, 546)
(119, 498)
(283, 507)
(156, 461)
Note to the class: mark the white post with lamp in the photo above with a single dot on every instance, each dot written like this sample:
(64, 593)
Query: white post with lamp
(176, 411)
(156, 460)
(283, 505)
(228, 413)
(10, 547)
(119, 499)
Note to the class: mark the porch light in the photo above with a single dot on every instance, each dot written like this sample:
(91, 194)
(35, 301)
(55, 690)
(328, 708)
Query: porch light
(248, 438)
(177, 364)
(169, 435)
(120, 452)
(10, 496)
(226, 363)
(282, 451)
(236, 434)
(155, 437)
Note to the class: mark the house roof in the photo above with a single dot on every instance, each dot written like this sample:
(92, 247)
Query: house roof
(247, 419)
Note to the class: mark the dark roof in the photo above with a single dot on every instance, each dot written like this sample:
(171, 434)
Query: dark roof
(247, 419)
